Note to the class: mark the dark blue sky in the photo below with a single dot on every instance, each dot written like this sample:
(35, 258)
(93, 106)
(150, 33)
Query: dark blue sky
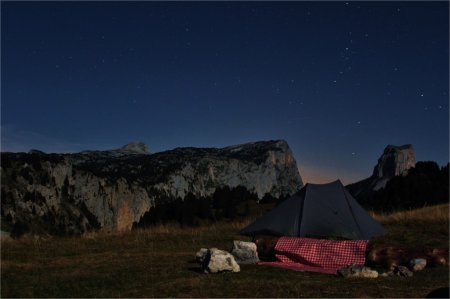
(339, 81)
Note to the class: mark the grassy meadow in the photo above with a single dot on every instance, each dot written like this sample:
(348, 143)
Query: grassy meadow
(159, 262)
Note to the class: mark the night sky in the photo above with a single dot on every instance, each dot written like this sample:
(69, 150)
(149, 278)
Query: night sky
(338, 80)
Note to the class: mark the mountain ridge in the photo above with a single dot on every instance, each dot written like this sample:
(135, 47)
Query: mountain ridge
(105, 189)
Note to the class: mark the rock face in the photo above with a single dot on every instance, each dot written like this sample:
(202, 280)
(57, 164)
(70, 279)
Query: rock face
(395, 161)
(217, 260)
(73, 193)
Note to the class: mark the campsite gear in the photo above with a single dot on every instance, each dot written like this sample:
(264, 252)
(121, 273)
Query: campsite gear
(265, 246)
(320, 211)
(324, 256)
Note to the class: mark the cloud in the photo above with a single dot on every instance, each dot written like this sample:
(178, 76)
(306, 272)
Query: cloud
(14, 139)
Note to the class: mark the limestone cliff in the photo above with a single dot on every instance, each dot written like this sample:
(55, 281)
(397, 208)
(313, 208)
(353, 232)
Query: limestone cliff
(395, 161)
(73, 193)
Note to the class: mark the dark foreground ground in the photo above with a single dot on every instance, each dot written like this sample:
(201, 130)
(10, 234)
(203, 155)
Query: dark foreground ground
(159, 262)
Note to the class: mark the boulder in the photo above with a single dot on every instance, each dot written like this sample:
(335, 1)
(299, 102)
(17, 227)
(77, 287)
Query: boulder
(357, 271)
(417, 264)
(245, 252)
(217, 260)
(200, 255)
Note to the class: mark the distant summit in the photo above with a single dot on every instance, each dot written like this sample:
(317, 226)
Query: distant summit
(395, 161)
(132, 148)
(135, 147)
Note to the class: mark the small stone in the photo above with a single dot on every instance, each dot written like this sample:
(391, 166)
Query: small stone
(368, 273)
(357, 271)
(200, 255)
(417, 264)
(403, 271)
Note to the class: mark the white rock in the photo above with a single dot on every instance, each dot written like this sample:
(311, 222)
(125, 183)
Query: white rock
(417, 264)
(245, 252)
(217, 260)
(357, 271)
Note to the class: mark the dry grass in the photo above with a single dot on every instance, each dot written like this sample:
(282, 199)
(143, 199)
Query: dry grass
(438, 213)
(158, 262)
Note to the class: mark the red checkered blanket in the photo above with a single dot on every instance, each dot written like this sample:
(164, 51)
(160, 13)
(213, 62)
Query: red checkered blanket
(324, 256)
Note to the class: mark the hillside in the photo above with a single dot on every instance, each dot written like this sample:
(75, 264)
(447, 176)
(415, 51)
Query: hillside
(67, 194)
(425, 184)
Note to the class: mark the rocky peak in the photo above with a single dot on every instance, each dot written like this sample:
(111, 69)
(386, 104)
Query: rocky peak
(132, 148)
(135, 147)
(395, 160)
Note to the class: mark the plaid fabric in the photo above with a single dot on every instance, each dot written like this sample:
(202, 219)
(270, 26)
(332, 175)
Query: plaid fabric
(324, 256)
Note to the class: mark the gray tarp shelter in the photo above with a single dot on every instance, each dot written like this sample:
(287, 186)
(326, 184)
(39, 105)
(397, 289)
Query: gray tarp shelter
(318, 210)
